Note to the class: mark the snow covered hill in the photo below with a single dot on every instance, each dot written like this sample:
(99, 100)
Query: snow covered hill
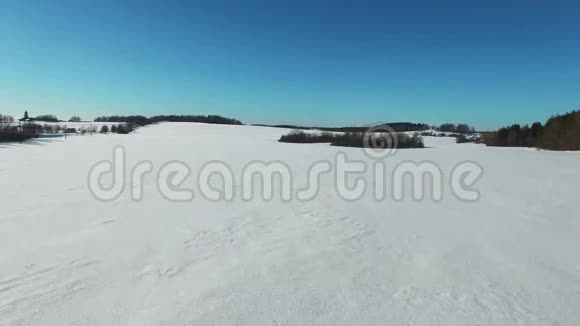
(67, 258)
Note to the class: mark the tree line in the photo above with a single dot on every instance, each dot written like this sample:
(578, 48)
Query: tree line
(139, 120)
(560, 132)
(396, 126)
(461, 128)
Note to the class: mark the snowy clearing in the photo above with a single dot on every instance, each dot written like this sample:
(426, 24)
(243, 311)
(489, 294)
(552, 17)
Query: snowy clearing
(510, 258)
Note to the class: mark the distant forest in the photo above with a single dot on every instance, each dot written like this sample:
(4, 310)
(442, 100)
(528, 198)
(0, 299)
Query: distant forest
(560, 132)
(397, 126)
(140, 120)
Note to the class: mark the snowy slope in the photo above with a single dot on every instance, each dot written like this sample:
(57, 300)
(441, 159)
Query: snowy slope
(66, 258)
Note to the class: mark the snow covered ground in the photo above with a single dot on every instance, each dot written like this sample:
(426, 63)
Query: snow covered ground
(66, 258)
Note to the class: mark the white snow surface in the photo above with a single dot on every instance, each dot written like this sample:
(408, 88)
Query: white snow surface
(66, 258)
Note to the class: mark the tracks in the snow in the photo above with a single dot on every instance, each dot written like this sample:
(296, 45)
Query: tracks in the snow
(40, 286)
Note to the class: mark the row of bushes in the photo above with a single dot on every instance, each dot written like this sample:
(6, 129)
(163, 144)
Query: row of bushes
(439, 134)
(463, 139)
(10, 133)
(561, 132)
(10, 136)
(117, 129)
(379, 140)
(354, 139)
(307, 138)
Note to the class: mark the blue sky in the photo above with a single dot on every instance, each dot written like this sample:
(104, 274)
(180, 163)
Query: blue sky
(324, 63)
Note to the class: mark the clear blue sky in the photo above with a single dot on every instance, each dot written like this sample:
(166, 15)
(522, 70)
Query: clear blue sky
(487, 63)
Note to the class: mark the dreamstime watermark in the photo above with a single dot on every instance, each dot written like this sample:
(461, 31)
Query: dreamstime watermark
(264, 180)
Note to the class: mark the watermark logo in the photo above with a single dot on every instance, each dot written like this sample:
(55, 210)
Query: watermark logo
(351, 179)
(380, 141)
